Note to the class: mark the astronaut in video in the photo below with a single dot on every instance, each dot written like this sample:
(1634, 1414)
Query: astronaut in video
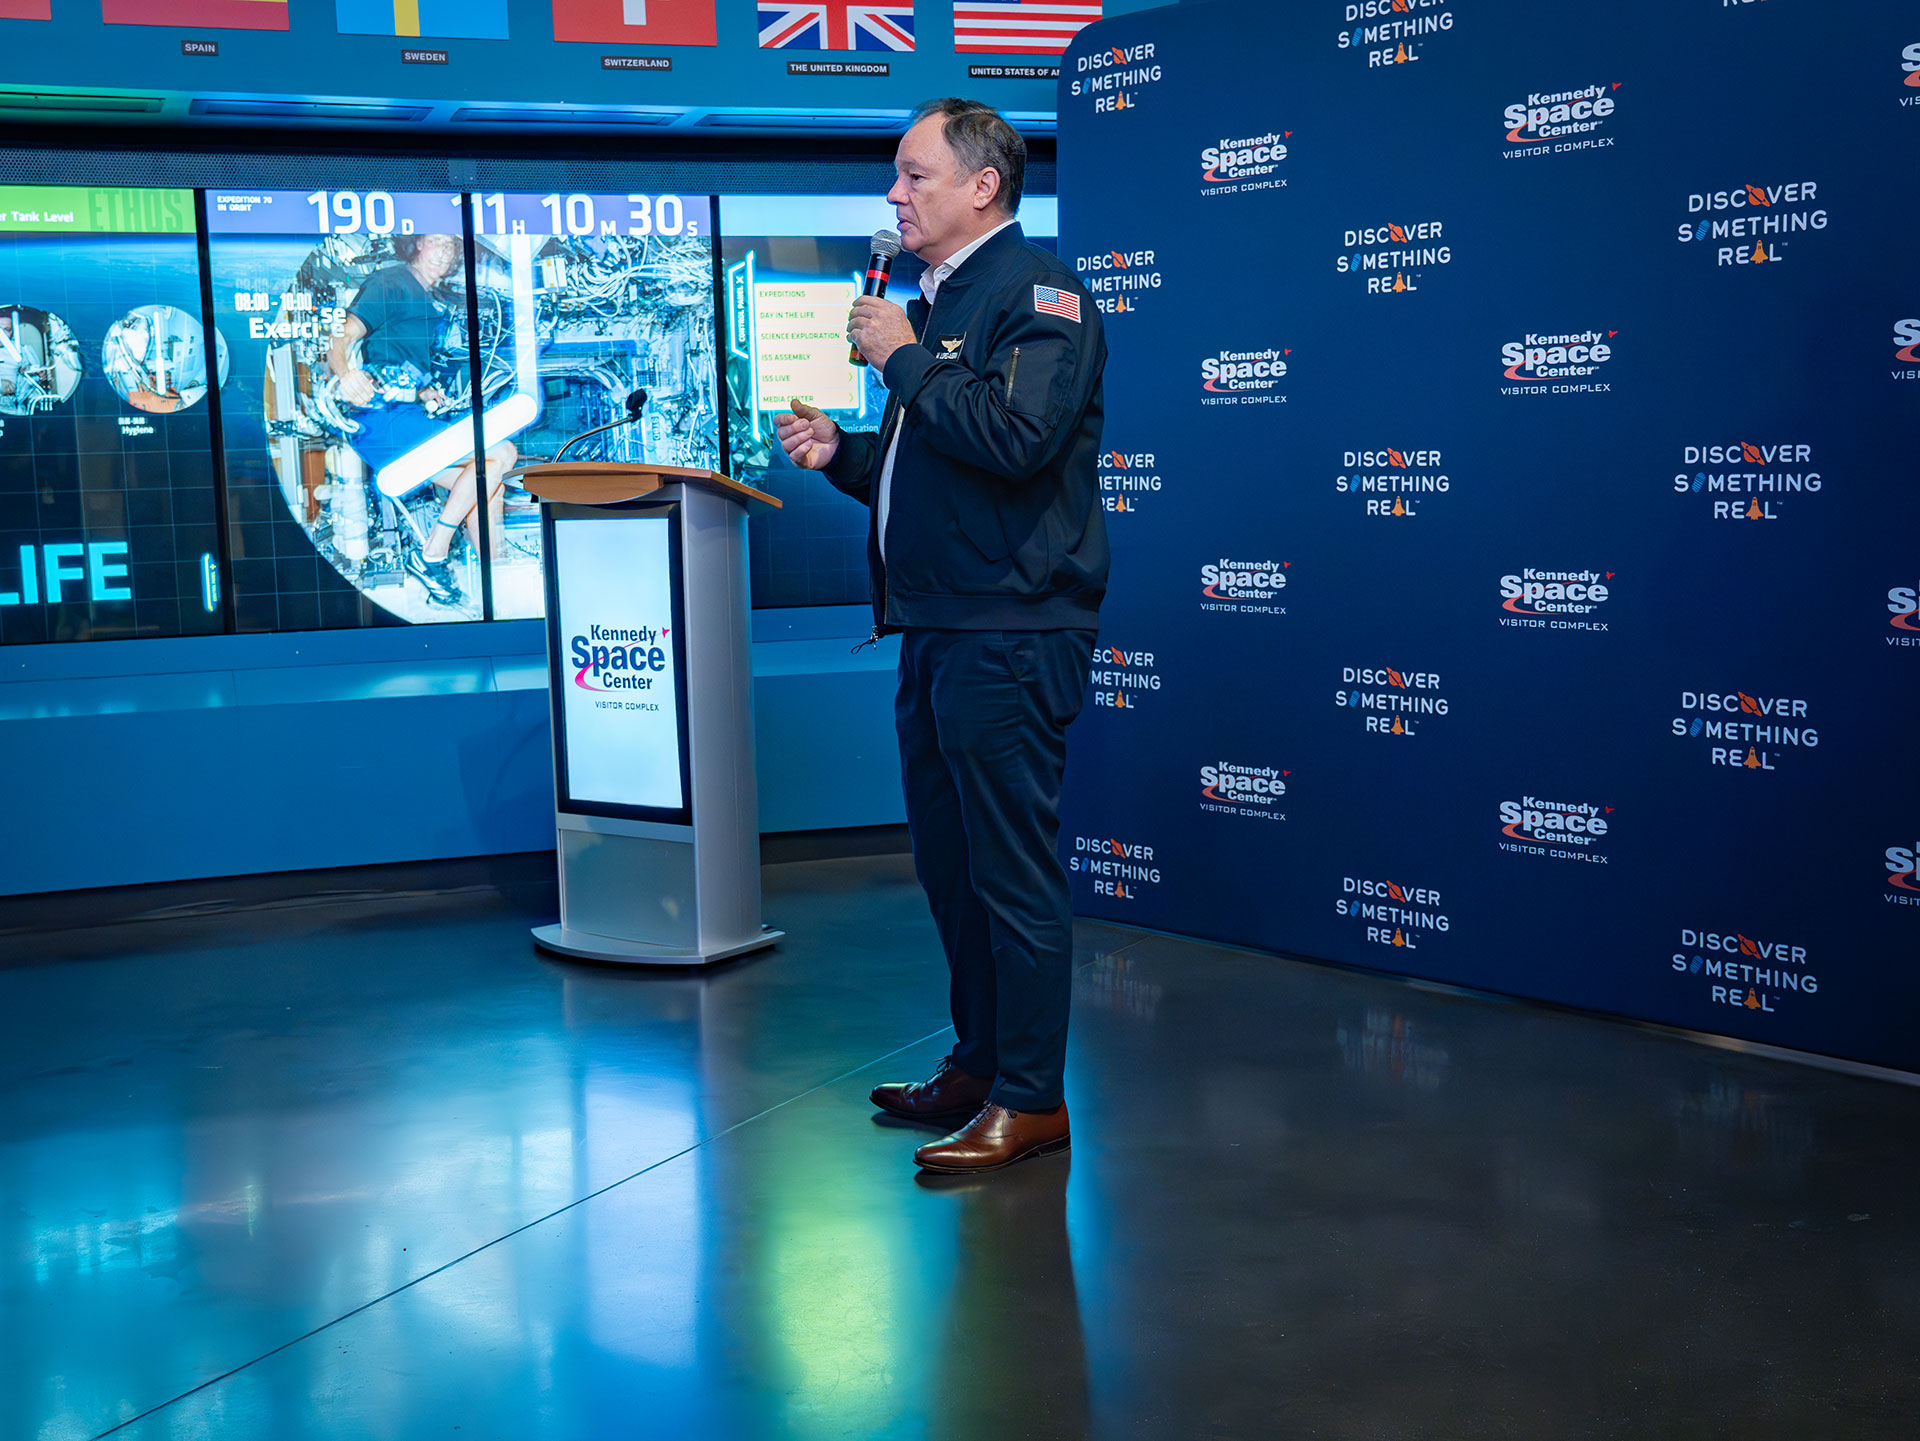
(398, 407)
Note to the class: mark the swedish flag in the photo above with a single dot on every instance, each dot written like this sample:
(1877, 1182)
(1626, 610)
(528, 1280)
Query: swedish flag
(448, 19)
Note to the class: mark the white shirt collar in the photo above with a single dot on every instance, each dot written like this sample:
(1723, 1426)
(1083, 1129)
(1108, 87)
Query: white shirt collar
(931, 278)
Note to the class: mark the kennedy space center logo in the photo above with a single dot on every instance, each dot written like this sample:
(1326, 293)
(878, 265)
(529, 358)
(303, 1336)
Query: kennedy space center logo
(1394, 32)
(1903, 607)
(1560, 830)
(610, 659)
(1393, 258)
(1244, 377)
(1903, 880)
(1756, 733)
(1392, 701)
(1123, 679)
(1395, 915)
(1246, 587)
(1127, 478)
(1748, 480)
(1556, 122)
(1239, 165)
(1568, 363)
(1745, 971)
(1116, 869)
(1394, 481)
(1753, 224)
(1555, 599)
(1906, 349)
(1228, 788)
(1909, 97)
(1118, 279)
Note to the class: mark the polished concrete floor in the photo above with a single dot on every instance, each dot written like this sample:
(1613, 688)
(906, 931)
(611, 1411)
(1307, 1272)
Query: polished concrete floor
(362, 1165)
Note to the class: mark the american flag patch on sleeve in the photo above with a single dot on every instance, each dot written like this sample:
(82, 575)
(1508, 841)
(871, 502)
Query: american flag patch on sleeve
(1063, 303)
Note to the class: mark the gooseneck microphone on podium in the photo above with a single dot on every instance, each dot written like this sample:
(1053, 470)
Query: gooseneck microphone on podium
(636, 402)
(886, 245)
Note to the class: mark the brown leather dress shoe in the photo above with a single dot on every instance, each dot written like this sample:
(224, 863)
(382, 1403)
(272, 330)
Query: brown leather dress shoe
(948, 1094)
(996, 1137)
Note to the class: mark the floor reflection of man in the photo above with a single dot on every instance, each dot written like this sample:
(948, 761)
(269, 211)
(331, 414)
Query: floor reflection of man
(1014, 1361)
(397, 321)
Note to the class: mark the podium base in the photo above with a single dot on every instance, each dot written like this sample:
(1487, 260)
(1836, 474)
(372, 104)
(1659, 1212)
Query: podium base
(588, 947)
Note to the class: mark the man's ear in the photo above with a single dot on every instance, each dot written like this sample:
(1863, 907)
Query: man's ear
(986, 189)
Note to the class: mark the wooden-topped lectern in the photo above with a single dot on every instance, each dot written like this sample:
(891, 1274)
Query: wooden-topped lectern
(649, 664)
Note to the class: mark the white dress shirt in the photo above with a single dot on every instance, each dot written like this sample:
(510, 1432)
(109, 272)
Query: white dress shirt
(930, 282)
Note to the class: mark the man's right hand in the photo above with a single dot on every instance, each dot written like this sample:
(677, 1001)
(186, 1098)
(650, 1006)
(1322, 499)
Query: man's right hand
(809, 438)
(357, 387)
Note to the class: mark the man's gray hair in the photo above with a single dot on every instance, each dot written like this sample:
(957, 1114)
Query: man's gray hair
(981, 140)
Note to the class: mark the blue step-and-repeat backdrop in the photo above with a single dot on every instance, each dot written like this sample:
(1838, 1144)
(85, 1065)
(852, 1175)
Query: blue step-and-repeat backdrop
(1513, 431)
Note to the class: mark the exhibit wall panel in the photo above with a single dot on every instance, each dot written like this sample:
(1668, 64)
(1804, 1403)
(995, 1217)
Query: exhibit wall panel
(1508, 469)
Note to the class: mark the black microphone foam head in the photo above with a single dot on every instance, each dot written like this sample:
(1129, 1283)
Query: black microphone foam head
(636, 402)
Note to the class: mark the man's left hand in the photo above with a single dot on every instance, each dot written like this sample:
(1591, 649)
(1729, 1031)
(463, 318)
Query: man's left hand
(878, 327)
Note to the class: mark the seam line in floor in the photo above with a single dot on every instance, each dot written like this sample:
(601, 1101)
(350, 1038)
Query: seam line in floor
(508, 1236)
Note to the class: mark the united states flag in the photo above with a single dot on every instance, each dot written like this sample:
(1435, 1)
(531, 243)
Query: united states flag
(836, 25)
(1063, 303)
(1020, 27)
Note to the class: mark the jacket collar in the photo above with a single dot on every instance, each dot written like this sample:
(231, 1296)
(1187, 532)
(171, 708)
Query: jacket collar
(996, 248)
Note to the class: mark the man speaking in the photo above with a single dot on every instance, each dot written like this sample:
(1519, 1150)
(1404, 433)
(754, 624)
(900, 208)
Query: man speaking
(988, 552)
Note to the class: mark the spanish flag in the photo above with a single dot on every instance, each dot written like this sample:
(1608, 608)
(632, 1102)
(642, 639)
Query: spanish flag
(439, 19)
(26, 9)
(199, 14)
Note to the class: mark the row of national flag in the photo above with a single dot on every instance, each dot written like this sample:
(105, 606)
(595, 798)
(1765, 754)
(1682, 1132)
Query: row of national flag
(988, 27)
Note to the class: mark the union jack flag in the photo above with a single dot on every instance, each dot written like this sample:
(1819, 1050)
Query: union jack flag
(1063, 303)
(836, 25)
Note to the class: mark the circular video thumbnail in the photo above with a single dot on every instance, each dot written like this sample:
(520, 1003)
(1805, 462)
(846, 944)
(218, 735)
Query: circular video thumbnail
(156, 358)
(40, 364)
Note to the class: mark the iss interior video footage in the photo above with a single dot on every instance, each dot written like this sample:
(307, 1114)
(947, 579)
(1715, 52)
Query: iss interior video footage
(352, 461)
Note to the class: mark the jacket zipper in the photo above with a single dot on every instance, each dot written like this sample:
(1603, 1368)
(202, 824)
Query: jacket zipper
(1012, 366)
(899, 418)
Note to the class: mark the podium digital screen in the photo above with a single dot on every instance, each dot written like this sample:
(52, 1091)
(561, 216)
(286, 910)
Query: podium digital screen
(618, 650)
(108, 523)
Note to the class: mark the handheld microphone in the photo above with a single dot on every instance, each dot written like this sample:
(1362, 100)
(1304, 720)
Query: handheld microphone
(886, 245)
(636, 402)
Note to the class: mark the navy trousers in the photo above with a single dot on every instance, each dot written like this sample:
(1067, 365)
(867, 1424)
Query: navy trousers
(983, 718)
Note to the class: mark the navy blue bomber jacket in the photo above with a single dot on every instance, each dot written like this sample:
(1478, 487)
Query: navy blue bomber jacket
(994, 521)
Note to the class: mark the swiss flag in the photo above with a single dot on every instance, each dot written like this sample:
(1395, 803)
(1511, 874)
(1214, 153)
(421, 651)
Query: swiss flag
(634, 22)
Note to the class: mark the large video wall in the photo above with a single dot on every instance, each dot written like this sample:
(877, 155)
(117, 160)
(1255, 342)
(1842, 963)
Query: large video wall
(296, 409)
(1516, 543)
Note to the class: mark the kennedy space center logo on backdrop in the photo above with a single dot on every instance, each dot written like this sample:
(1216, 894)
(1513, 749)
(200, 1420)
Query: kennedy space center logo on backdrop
(1241, 164)
(1753, 224)
(1118, 279)
(1244, 587)
(1736, 968)
(1903, 609)
(1394, 258)
(1909, 96)
(1559, 830)
(1555, 599)
(1903, 879)
(1906, 349)
(1394, 32)
(1127, 478)
(1391, 701)
(1116, 77)
(1116, 869)
(1557, 364)
(1244, 377)
(1748, 480)
(1557, 122)
(1231, 789)
(1393, 482)
(1756, 733)
(1123, 679)
(1392, 914)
